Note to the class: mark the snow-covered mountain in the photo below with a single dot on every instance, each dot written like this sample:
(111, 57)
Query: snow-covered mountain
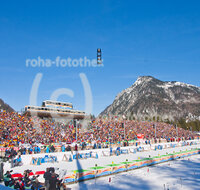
(149, 97)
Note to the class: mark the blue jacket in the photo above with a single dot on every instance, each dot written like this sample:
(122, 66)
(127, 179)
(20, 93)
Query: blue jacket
(19, 159)
(63, 148)
(47, 150)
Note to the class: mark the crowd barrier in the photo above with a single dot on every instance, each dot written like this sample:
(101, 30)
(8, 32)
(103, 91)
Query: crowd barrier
(132, 150)
(143, 145)
(121, 150)
(124, 151)
(160, 147)
(16, 175)
(45, 159)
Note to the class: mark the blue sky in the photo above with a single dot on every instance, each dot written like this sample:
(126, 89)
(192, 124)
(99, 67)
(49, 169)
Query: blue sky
(157, 38)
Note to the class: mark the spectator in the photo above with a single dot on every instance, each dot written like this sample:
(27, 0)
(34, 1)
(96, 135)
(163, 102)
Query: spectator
(47, 177)
(53, 182)
(7, 178)
(18, 161)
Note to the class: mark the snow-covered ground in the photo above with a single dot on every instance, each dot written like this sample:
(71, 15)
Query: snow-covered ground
(90, 162)
(103, 161)
(182, 174)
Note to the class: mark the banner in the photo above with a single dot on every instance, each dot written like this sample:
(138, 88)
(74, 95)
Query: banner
(140, 136)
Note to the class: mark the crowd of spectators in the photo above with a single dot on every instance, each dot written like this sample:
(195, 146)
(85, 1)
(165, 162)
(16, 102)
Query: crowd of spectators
(16, 129)
(30, 181)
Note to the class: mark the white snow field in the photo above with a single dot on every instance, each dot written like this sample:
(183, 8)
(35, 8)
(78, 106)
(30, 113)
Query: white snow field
(180, 174)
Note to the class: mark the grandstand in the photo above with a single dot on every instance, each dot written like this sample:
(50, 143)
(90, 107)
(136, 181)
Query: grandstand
(54, 109)
(56, 104)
